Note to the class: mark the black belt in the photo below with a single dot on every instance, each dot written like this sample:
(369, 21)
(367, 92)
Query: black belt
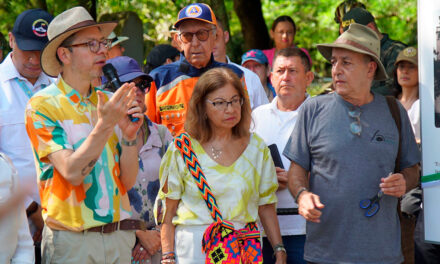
(287, 211)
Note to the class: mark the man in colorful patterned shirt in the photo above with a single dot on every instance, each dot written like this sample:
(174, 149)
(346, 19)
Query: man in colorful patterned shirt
(85, 147)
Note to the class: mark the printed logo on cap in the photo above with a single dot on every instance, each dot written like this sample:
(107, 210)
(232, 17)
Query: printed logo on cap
(410, 52)
(251, 53)
(39, 27)
(193, 11)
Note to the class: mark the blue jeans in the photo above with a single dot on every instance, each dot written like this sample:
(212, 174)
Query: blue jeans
(294, 246)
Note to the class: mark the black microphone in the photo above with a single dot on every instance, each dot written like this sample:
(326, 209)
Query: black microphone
(113, 80)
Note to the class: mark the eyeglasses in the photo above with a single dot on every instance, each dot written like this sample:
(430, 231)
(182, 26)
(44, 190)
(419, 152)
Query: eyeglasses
(94, 45)
(143, 85)
(202, 35)
(355, 126)
(222, 105)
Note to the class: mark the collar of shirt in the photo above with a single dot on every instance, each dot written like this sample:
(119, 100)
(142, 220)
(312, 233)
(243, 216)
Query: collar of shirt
(192, 71)
(154, 139)
(9, 72)
(74, 96)
(274, 107)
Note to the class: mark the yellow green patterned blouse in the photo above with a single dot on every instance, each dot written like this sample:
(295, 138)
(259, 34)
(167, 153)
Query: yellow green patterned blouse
(239, 189)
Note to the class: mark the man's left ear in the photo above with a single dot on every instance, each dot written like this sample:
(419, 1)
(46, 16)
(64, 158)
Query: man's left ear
(226, 36)
(310, 77)
(372, 68)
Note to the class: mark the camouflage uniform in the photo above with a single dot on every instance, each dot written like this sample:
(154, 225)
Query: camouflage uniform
(389, 49)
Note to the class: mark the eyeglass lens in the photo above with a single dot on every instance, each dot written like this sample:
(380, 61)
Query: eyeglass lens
(202, 35)
(223, 104)
(95, 45)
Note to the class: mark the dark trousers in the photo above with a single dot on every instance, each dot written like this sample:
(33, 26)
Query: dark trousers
(294, 246)
(425, 253)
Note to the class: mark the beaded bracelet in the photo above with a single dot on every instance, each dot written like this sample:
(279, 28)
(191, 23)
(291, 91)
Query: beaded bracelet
(169, 255)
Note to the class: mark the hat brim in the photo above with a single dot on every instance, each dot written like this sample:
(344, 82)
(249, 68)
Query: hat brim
(253, 59)
(48, 60)
(26, 44)
(133, 75)
(120, 39)
(129, 76)
(326, 52)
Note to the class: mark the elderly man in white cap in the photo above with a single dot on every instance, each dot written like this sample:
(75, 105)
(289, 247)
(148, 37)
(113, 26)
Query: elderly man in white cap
(85, 147)
(359, 161)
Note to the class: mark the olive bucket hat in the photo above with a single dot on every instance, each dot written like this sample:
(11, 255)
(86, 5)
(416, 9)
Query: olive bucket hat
(360, 39)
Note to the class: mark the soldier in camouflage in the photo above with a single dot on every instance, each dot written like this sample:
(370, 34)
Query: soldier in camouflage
(389, 49)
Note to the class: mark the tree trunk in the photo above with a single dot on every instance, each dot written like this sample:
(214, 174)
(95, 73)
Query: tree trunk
(39, 4)
(253, 26)
(219, 8)
(90, 5)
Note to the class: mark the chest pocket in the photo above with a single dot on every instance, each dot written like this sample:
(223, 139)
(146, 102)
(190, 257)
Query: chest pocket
(13, 133)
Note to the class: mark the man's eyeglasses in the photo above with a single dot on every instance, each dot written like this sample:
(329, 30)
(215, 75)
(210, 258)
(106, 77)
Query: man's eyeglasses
(94, 45)
(202, 35)
(355, 126)
(222, 105)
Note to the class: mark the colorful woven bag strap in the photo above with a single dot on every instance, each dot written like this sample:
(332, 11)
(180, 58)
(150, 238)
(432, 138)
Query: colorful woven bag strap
(183, 143)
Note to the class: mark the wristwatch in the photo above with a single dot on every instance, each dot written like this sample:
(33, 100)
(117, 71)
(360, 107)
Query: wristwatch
(128, 143)
(279, 247)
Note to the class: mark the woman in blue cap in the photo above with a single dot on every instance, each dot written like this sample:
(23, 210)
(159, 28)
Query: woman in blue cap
(152, 142)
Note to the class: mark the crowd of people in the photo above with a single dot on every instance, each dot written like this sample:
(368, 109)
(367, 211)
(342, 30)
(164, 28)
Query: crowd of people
(192, 158)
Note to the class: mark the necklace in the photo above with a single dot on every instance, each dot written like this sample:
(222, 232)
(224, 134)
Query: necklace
(216, 153)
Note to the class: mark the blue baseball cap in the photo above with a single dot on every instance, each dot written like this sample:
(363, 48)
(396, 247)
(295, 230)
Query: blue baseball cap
(30, 29)
(127, 68)
(197, 11)
(255, 55)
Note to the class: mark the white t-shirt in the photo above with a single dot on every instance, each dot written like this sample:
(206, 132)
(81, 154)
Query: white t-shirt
(15, 239)
(15, 92)
(257, 95)
(275, 127)
(414, 118)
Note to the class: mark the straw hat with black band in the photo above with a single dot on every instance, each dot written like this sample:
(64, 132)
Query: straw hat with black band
(360, 39)
(64, 25)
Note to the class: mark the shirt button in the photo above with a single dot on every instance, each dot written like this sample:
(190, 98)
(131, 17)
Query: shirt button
(173, 127)
(173, 133)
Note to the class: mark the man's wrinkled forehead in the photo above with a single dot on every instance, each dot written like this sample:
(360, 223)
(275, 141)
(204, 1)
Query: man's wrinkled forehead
(193, 23)
(90, 34)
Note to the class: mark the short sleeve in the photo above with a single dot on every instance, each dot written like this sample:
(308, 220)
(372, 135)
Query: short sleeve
(171, 174)
(268, 182)
(297, 147)
(46, 135)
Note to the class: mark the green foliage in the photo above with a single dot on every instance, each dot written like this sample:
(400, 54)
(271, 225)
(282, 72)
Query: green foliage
(314, 19)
